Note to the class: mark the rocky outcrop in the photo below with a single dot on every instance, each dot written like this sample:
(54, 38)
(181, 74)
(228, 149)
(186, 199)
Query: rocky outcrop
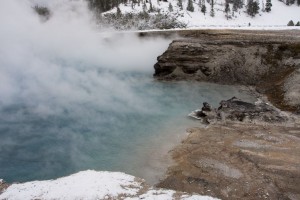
(258, 60)
(3, 185)
(235, 109)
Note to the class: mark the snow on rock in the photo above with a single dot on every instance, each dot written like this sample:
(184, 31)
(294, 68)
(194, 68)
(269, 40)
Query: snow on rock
(160, 194)
(92, 185)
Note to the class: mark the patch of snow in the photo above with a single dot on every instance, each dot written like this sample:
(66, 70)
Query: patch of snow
(92, 185)
(1, 181)
(156, 194)
(82, 185)
(160, 194)
(194, 114)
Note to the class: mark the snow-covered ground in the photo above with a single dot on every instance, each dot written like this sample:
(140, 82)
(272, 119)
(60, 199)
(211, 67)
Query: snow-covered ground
(92, 185)
(278, 18)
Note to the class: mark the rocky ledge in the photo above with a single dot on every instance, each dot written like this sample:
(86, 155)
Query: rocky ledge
(271, 62)
(238, 161)
(235, 109)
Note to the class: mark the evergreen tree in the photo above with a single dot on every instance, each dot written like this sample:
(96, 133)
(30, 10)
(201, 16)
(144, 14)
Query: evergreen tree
(212, 11)
(298, 24)
(268, 5)
(227, 10)
(203, 9)
(119, 13)
(190, 6)
(237, 4)
(179, 4)
(291, 23)
(298, 2)
(144, 6)
(200, 3)
(170, 7)
(151, 7)
(252, 8)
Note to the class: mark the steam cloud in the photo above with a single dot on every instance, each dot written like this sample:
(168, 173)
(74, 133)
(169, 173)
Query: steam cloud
(59, 80)
(73, 97)
(66, 60)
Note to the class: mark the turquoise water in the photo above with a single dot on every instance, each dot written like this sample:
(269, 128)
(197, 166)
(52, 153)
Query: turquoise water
(116, 135)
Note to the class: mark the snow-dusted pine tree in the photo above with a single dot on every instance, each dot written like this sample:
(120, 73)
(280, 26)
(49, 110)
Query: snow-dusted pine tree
(151, 7)
(268, 5)
(237, 4)
(203, 8)
(179, 4)
(291, 23)
(119, 13)
(252, 8)
(190, 6)
(170, 8)
(212, 10)
(227, 10)
(144, 6)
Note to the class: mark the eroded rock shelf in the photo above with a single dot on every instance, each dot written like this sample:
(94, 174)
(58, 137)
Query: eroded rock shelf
(270, 62)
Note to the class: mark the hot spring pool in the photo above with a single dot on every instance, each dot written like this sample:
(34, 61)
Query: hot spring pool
(124, 127)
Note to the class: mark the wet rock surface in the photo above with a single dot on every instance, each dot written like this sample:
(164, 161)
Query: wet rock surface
(262, 59)
(238, 161)
(235, 109)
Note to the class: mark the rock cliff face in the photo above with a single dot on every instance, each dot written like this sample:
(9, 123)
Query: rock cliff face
(267, 61)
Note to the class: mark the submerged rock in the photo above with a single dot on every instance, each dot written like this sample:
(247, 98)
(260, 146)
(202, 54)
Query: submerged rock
(235, 109)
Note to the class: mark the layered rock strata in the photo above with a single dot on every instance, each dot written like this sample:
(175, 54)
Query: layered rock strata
(271, 63)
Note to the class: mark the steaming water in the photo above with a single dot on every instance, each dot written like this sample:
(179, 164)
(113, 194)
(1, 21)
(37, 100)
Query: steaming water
(34, 146)
(71, 99)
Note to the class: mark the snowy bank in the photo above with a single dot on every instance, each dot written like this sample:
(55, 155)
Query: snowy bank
(276, 19)
(92, 185)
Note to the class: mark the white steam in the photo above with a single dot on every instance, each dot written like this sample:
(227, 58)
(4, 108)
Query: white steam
(66, 60)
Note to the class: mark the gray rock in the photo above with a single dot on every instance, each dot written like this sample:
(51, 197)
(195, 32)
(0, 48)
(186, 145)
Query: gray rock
(236, 110)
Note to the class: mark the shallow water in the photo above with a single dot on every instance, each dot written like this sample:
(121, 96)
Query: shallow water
(118, 137)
